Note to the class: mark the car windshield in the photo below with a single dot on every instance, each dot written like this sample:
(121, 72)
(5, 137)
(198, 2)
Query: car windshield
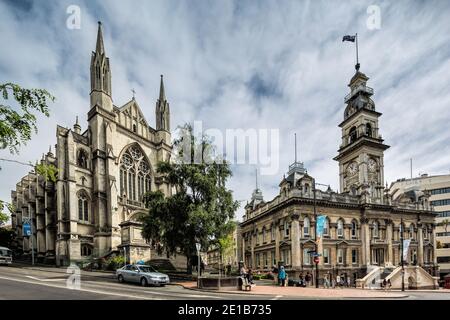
(147, 269)
(5, 253)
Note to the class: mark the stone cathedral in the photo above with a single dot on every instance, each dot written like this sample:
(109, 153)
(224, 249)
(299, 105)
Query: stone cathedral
(104, 169)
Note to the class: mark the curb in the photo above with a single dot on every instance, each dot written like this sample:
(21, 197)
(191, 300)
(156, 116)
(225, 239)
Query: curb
(287, 296)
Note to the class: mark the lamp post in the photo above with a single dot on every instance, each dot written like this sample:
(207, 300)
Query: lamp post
(402, 260)
(315, 231)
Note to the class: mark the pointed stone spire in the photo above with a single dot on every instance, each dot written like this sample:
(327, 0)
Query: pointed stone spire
(76, 126)
(162, 94)
(50, 154)
(100, 48)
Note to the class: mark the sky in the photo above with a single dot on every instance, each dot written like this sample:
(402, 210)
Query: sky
(244, 64)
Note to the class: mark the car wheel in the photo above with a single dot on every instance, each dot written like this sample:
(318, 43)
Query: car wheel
(120, 278)
(144, 282)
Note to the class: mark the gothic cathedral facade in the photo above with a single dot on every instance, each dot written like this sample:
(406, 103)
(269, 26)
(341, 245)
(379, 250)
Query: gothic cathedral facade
(93, 208)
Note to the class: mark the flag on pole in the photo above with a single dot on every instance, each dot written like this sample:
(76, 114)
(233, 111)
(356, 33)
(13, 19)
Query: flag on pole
(320, 224)
(349, 38)
(406, 243)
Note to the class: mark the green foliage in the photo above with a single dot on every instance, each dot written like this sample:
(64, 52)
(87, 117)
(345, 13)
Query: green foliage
(16, 126)
(115, 262)
(48, 171)
(202, 207)
(4, 216)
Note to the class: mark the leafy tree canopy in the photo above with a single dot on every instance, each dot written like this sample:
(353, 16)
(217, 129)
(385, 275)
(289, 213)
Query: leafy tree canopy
(202, 208)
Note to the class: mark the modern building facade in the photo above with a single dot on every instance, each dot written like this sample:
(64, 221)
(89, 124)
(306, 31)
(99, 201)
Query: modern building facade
(364, 225)
(94, 206)
(439, 188)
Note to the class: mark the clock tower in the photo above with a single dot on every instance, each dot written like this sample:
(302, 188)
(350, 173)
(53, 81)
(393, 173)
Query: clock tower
(361, 166)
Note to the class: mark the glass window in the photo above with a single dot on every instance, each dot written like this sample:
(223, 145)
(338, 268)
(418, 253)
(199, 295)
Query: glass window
(286, 228)
(353, 229)
(272, 233)
(306, 256)
(340, 228)
(326, 256)
(354, 256)
(340, 256)
(325, 227)
(306, 225)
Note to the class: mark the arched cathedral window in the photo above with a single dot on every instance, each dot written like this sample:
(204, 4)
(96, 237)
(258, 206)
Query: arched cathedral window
(135, 179)
(353, 134)
(368, 130)
(83, 207)
(82, 159)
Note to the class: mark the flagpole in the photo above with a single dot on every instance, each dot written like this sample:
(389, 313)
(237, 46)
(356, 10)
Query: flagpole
(357, 56)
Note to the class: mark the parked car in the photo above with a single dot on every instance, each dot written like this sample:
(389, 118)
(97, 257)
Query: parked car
(5, 256)
(145, 275)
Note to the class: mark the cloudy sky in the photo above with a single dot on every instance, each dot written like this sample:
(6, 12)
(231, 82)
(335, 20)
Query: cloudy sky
(244, 64)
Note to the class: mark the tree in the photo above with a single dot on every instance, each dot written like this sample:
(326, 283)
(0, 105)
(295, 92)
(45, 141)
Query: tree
(225, 245)
(201, 208)
(16, 126)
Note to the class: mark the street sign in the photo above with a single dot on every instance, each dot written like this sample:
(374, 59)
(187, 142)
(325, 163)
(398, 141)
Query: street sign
(26, 229)
(316, 260)
(198, 246)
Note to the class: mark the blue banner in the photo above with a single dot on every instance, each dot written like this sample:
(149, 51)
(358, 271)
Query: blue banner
(26, 229)
(320, 224)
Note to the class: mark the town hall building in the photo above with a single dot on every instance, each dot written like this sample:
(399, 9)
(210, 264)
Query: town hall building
(364, 225)
(104, 169)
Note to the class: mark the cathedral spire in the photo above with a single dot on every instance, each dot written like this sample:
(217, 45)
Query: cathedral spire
(162, 94)
(100, 48)
(76, 126)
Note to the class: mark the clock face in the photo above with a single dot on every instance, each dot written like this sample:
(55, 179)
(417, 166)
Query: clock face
(352, 168)
(372, 165)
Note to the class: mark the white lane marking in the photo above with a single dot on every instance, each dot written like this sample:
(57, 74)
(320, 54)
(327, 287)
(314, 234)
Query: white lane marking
(85, 290)
(277, 297)
(45, 280)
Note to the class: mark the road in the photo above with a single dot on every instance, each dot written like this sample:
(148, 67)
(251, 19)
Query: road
(26, 284)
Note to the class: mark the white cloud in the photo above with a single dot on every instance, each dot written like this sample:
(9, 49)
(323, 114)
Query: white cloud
(211, 51)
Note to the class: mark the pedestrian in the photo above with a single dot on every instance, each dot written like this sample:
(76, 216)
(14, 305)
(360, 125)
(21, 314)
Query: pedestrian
(282, 276)
(338, 281)
(389, 284)
(384, 285)
(326, 281)
(307, 278)
(275, 274)
(250, 276)
(349, 282)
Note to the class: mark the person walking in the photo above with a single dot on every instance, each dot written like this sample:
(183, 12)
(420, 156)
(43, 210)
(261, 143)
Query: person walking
(307, 279)
(338, 281)
(389, 284)
(326, 281)
(282, 276)
(275, 274)
(349, 282)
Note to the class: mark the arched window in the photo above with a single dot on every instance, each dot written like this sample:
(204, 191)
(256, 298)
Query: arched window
(306, 226)
(368, 130)
(352, 134)
(135, 174)
(263, 235)
(354, 229)
(286, 228)
(83, 207)
(340, 228)
(375, 232)
(326, 224)
(86, 250)
(82, 158)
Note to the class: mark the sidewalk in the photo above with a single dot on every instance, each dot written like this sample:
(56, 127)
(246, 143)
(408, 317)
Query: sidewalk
(308, 292)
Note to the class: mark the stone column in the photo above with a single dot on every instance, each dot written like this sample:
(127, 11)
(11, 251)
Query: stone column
(434, 245)
(252, 248)
(420, 243)
(389, 242)
(295, 241)
(365, 242)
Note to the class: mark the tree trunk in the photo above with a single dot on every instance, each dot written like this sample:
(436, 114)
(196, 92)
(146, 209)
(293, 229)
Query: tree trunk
(189, 264)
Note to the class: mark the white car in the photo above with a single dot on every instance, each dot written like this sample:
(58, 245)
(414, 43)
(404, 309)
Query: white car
(5, 256)
(142, 274)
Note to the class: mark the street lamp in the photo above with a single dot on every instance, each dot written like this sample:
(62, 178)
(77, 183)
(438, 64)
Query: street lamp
(402, 260)
(315, 231)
